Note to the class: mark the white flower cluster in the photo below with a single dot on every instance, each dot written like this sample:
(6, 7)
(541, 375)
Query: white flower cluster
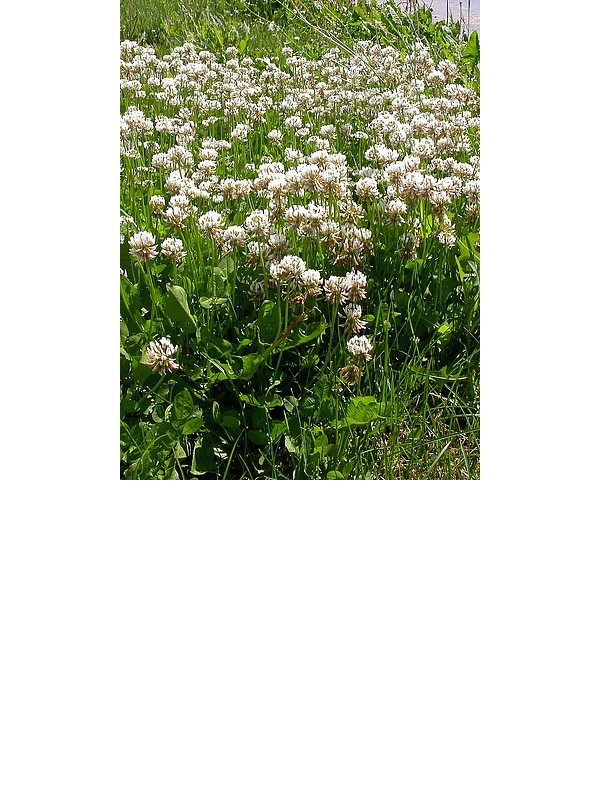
(160, 356)
(356, 147)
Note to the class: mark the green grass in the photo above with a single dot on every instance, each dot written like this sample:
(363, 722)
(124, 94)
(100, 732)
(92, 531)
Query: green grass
(258, 393)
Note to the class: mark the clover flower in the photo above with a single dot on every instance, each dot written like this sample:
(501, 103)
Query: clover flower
(234, 236)
(351, 373)
(258, 223)
(356, 282)
(290, 267)
(173, 250)
(157, 204)
(352, 316)
(142, 246)
(336, 289)
(210, 222)
(367, 189)
(275, 137)
(446, 234)
(360, 348)
(312, 282)
(240, 132)
(176, 215)
(355, 244)
(395, 210)
(277, 247)
(159, 356)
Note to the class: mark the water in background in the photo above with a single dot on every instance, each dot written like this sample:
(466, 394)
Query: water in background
(457, 9)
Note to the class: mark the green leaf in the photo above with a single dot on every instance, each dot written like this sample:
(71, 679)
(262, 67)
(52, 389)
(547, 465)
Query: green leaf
(203, 460)
(471, 51)
(226, 265)
(321, 443)
(269, 321)
(192, 425)
(250, 364)
(260, 417)
(445, 332)
(183, 405)
(221, 346)
(318, 330)
(361, 411)
(211, 302)
(178, 310)
(277, 430)
(258, 437)
(231, 419)
(335, 475)
(289, 445)
(179, 452)
(290, 404)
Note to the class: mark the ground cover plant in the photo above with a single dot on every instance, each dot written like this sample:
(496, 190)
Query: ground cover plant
(299, 243)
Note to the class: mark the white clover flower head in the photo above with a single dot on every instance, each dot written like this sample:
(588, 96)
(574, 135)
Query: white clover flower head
(275, 276)
(160, 161)
(367, 189)
(181, 201)
(395, 210)
(290, 267)
(446, 234)
(241, 132)
(253, 252)
(235, 236)
(356, 282)
(275, 136)
(142, 245)
(179, 156)
(157, 203)
(172, 249)
(292, 155)
(360, 348)
(176, 215)
(472, 190)
(210, 222)
(312, 282)
(336, 289)
(381, 154)
(355, 244)
(277, 247)
(447, 238)
(175, 182)
(352, 316)
(159, 355)
(258, 223)
(328, 131)
(294, 122)
(278, 186)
